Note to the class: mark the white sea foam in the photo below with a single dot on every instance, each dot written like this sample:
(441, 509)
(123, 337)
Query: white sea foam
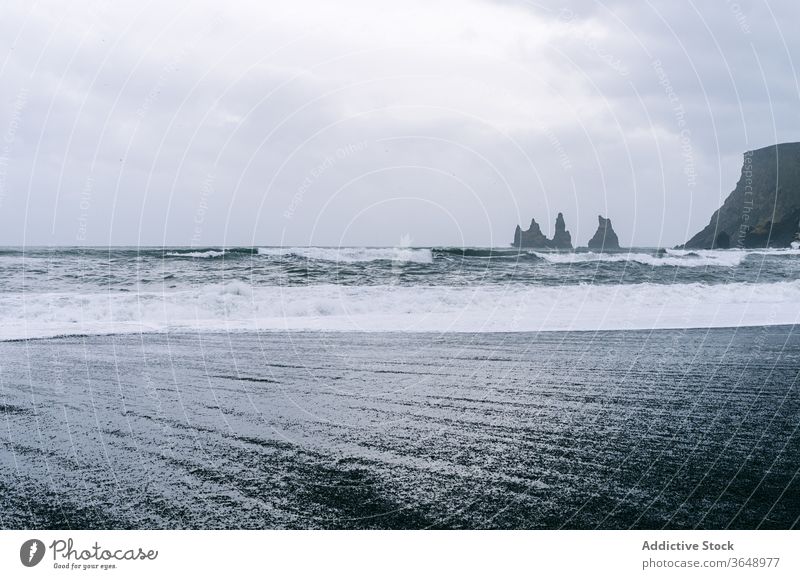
(200, 254)
(673, 257)
(353, 254)
(512, 308)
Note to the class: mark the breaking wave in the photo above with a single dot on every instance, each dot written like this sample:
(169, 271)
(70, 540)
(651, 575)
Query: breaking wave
(197, 254)
(238, 306)
(352, 254)
(672, 257)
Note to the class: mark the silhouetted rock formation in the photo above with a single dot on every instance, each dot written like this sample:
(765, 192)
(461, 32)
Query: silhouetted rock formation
(779, 234)
(764, 208)
(533, 238)
(561, 239)
(605, 237)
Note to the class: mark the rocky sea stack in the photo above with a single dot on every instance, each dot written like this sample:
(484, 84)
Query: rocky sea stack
(561, 239)
(764, 208)
(605, 238)
(533, 238)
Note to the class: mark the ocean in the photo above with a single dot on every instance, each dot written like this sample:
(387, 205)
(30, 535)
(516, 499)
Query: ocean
(80, 291)
(399, 388)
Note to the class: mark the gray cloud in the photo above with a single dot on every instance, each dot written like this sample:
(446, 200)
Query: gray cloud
(360, 123)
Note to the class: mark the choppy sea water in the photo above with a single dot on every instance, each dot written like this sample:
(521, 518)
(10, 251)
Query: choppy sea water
(621, 429)
(398, 388)
(49, 292)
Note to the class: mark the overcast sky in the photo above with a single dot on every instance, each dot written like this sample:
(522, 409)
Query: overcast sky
(363, 122)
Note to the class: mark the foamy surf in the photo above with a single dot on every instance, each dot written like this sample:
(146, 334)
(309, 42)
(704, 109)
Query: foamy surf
(352, 254)
(672, 257)
(237, 306)
(197, 254)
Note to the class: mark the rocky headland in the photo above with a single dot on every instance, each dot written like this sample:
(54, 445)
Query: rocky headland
(764, 208)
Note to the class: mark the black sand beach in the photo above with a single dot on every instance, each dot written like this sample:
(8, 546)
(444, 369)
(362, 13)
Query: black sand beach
(663, 429)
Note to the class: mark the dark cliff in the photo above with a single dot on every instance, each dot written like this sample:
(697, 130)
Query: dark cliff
(764, 208)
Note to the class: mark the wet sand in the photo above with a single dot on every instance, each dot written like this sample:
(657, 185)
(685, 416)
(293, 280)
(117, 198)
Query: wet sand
(663, 429)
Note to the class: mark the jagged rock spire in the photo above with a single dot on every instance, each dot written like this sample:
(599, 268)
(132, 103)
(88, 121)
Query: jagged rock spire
(605, 237)
(561, 239)
(535, 239)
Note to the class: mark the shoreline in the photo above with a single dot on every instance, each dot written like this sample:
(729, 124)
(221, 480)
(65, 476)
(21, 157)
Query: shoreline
(616, 429)
(273, 331)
